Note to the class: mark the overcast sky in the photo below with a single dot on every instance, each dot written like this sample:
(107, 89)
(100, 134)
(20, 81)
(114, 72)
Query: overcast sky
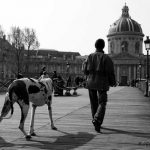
(71, 25)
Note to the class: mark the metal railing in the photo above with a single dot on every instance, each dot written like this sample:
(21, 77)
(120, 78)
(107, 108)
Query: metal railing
(4, 85)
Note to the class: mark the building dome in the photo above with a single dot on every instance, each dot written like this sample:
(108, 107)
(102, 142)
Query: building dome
(125, 25)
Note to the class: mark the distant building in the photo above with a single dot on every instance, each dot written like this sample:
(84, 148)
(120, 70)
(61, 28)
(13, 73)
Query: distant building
(31, 66)
(54, 61)
(125, 47)
(7, 57)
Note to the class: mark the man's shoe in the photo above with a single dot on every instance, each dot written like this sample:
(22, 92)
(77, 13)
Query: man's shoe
(96, 125)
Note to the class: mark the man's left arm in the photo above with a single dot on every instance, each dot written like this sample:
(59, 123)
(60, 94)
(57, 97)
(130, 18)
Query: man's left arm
(110, 71)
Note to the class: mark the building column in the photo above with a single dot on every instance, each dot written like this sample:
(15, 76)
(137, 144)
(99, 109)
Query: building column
(135, 72)
(129, 79)
(142, 72)
(118, 72)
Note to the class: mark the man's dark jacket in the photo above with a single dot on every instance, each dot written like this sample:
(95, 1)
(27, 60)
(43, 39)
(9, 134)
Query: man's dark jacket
(99, 69)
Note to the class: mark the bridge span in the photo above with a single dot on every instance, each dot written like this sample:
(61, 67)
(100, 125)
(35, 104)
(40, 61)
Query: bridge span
(126, 125)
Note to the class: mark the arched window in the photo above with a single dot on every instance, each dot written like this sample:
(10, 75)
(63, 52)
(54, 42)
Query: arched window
(137, 47)
(112, 47)
(124, 46)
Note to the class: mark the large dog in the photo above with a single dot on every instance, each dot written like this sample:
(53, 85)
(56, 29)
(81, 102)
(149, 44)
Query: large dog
(26, 90)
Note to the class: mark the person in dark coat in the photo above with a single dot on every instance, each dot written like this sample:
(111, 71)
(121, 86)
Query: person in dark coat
(54, 76)
(99, 69)
(77, 80)
(69, 82)
(55, 79)
(19, 76)
(60, 86)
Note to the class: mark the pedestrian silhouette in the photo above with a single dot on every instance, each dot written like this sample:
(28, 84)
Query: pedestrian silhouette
(99, 69)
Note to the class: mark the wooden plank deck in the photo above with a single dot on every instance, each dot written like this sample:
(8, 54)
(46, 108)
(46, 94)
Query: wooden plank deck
(126, 125)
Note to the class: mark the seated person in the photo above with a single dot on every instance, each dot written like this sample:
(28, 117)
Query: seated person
(44, 75)
(19, 76)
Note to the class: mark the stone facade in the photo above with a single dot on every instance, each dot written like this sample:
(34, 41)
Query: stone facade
(7, 58)
(125, 47)
(54, 61)
(31, 66)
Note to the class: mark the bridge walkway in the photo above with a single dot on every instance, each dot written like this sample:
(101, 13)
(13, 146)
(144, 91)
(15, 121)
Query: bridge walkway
(126, 125)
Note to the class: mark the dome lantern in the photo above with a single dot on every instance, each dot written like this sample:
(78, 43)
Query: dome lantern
(125, 11)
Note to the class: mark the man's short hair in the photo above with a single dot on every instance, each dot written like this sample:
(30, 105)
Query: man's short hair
(99, 44)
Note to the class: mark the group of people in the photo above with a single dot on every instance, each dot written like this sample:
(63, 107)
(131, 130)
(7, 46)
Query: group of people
(58, 82)
(98, 69)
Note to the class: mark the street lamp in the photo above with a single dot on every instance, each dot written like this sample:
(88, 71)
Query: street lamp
(67, 88)
(147, 47)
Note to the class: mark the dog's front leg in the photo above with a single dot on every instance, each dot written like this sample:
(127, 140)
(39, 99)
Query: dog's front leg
(31, 128)
(50, 113)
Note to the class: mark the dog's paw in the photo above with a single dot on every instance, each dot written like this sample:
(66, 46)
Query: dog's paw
(28, 137)
(53, 128)
(33, 134)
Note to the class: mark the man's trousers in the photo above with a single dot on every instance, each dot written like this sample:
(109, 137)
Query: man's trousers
(98, 100)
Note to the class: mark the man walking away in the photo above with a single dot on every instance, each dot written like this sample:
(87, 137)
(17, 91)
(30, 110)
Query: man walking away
(99, 70)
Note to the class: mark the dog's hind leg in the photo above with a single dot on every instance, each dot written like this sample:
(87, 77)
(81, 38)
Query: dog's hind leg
(50, 112)
(24, 111)
(31, 129)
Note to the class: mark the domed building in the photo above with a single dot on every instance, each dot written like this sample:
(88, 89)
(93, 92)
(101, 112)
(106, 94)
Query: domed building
(125, 47)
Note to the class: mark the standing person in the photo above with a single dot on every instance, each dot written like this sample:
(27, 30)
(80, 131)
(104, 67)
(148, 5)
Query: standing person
(55, 79)
(60, 86)
(99, 69)
(69, 81)
(54, 76)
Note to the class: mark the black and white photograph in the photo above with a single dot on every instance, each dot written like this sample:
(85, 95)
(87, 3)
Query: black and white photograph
(75, 75)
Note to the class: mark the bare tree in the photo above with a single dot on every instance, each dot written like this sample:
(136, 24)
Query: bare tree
(16, 38)
(31, 42)
(30, 39)
(2, 34)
